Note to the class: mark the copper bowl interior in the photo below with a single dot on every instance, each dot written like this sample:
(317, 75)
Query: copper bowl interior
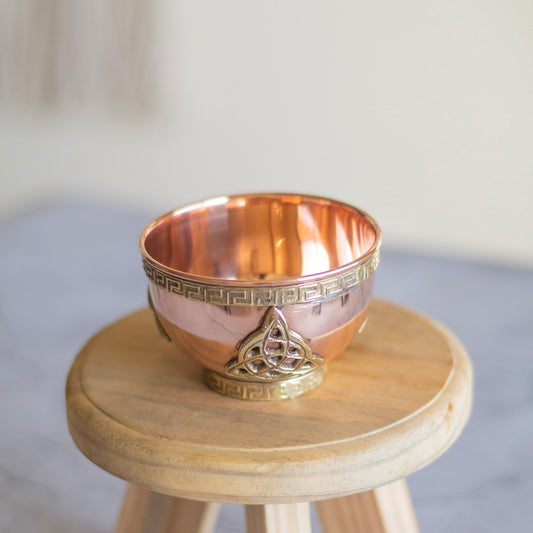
(260, 237)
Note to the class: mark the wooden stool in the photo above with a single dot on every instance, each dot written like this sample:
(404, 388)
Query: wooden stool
(394, 401)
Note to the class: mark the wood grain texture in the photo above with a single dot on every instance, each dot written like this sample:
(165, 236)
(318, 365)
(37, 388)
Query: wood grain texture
(280, 518)
(386, 509)
(144, 511)
(394, 401)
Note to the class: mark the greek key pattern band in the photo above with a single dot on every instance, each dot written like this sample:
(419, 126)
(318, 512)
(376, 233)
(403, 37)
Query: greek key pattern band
(278, 390)
(258, 296)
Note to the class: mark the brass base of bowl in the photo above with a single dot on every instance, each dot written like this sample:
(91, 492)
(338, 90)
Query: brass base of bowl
(265, 390)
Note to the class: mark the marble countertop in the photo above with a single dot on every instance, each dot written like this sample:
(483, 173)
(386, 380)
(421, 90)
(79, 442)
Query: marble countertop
(67, 270)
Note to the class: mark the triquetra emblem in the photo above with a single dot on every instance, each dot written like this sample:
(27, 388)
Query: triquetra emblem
(273, 351)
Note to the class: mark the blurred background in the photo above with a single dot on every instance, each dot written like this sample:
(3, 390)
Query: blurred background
(115, 111)
(419, 112)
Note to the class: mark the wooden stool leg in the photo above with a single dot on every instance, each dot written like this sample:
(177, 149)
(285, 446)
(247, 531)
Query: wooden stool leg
(387, 509)
(282, 518)
(144, 511)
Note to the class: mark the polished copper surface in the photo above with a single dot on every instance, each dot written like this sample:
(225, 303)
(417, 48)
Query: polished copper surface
(214, 352)
(217, 268)
(211, 333)
(271, 239)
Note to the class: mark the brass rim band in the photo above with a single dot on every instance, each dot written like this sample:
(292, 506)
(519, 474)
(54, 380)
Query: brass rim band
(244, 389)
(312, 291)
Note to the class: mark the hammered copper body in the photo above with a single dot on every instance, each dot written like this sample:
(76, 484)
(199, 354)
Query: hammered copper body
(217, 266)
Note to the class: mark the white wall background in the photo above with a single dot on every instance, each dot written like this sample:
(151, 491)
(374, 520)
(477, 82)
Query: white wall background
(419, 112)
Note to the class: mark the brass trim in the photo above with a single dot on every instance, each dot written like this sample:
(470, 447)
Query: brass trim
(265, 390)
(277, 295)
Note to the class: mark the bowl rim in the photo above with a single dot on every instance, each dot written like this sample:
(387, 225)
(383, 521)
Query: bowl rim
(370, 257)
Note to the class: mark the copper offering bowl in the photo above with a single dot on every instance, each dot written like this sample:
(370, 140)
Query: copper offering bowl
(263, 290)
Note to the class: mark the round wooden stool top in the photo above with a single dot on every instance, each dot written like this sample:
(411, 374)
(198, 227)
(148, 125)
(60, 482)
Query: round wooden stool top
(393, 402)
